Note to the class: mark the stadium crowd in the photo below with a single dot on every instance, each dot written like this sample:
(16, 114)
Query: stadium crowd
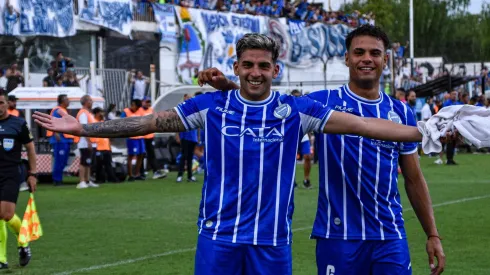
(299, 10)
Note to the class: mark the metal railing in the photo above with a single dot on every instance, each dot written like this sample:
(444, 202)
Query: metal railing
(143, 12)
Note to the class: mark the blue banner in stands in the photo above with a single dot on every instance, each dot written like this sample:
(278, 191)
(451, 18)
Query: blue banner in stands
(209, 38)
(37, 17)
(165, 17)
(116, 15)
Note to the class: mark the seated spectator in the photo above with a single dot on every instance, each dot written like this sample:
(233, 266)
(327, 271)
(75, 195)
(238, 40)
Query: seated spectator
(60, 81)
(50, 80)
(71, 79)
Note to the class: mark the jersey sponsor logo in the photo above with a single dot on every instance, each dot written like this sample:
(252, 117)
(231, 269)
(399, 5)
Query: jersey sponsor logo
(265, 134)
(394, 117)
(282, 111)
(8, 144)
(223, 110)
(330, 270)
(343, 109)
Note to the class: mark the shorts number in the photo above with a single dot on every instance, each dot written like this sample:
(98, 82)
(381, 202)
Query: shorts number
(330, 270)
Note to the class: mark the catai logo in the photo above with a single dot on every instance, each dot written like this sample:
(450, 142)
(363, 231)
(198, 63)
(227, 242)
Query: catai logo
(262, 134)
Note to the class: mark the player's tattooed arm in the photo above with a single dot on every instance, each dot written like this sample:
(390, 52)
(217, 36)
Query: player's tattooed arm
(166, 121)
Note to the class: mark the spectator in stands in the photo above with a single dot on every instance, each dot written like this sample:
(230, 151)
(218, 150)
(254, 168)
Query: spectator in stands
(135, 145)
(71, 79)
(3, 80)
(50, 80)
(103, 155)
(60, 81)
(188, 142)
(276, 10)
(249, 7)
(15, 78)
(301, 9)
(62, 63)
(139, 85)
(234, 6)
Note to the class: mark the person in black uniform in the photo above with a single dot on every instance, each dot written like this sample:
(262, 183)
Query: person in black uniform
(13, 134)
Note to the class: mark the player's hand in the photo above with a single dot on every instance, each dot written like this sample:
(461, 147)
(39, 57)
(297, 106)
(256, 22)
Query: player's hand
(66, 124)
(434, 249)
(214, 77)
(32, 182)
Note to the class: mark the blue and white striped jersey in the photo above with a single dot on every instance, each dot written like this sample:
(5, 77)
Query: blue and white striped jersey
(359, 197)
(247, 195)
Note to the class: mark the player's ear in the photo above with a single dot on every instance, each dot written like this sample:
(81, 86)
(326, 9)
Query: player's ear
(346, 58)
(276, 70)
(235, 67)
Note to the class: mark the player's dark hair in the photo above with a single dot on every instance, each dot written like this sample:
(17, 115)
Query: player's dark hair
(255, 41)
(60, 98)
(368, 30)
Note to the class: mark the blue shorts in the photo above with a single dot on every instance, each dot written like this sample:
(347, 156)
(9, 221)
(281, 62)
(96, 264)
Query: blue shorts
(340, 257)
(305, 148)
(223, 258)
(135, 146)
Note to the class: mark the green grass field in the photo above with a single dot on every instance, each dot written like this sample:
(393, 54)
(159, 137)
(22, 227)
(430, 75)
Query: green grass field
(150, 227)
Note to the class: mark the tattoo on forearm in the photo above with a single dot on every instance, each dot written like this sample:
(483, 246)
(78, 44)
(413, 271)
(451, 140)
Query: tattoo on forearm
(127, 127)
(167, 121)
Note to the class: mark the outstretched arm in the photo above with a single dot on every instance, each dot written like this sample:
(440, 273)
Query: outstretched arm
(166, 121)
(376, 128)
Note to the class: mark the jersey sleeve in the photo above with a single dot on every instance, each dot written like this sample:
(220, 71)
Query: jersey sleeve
(192, 112)
(313, 114)
(407, 148)
(25, 135)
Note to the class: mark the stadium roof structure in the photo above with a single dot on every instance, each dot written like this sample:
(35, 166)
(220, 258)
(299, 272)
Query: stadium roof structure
(441, 84)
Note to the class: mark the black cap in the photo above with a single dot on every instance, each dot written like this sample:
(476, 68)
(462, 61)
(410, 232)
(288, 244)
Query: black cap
(12, 98)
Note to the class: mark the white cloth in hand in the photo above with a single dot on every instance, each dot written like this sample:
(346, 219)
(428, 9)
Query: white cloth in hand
(472, 122)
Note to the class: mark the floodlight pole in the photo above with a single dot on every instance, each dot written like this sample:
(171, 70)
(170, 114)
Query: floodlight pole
(411, 38)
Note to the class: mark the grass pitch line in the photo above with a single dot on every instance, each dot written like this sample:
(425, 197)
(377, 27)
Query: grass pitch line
(172, 252)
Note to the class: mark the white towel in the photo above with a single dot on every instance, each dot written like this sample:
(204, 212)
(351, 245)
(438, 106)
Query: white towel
(473, 123)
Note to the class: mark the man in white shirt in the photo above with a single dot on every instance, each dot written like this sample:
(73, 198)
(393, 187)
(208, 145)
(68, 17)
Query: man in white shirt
(139, 83)
(84, 144)
(426, 112)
